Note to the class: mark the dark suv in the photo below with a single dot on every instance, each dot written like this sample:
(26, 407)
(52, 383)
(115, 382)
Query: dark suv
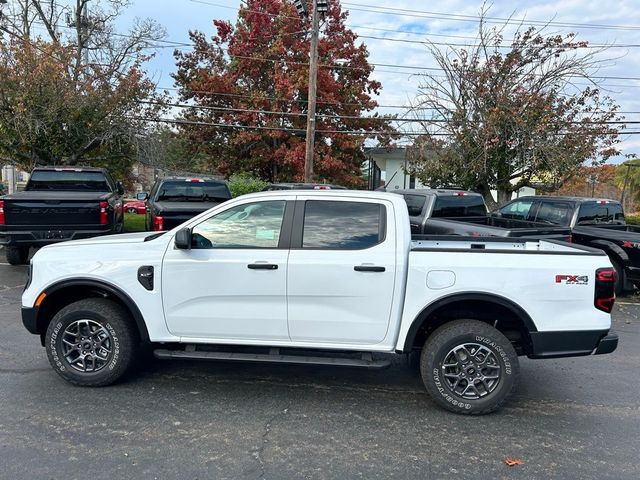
(174, 200)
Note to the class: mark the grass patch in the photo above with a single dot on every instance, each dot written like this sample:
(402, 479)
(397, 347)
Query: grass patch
(133, 222)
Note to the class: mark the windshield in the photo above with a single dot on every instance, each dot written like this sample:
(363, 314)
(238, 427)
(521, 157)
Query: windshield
(68, 180)
(189, 191)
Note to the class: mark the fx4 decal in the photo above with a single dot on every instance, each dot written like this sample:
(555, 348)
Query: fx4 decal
(626, 244)
(572, 279)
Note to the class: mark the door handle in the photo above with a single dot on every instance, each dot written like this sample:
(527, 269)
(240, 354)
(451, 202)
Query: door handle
(262, 266)
(368, 268)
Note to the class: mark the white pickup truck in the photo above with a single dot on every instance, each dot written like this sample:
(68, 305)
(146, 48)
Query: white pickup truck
(321, 277)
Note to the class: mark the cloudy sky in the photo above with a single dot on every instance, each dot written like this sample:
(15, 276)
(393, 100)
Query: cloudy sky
(610, 22)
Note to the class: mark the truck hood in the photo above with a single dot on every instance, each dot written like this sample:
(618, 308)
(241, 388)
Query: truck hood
(127, 238)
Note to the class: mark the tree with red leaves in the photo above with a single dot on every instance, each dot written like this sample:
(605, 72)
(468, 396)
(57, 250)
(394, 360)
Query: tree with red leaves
(249, 86)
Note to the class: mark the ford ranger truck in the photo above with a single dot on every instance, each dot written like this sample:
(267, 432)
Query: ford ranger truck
(326, 278)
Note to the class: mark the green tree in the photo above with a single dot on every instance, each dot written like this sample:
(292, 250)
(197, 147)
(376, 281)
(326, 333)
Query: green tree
(246, 72)
(244, 183)
(70, 99)
(504, 115)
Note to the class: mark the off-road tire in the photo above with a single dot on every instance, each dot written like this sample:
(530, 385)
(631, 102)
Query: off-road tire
(17, 255)
(450, 336)
(118, 324)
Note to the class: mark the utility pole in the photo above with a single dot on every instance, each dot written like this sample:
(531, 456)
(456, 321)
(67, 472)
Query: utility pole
(313, 90)
(318, 7)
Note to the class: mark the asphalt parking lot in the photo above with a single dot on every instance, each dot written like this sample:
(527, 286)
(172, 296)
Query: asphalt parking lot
(571, 418)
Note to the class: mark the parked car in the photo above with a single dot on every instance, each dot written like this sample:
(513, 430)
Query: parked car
(328, 278)
(458, 212)
(302, 186)
(59, 204)
(136, 206)
(594, 222)
(174, 200)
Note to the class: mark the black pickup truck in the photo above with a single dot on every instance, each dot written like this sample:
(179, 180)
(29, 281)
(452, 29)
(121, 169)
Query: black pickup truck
(174, 200)
(457, 212)
(59, 204)
(594, 222)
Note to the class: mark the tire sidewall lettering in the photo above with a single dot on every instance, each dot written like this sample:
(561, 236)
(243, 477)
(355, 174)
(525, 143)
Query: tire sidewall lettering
(53, 347)
(499, 350)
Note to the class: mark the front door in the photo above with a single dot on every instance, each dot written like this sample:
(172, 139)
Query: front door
(342, 268)
(232, 283)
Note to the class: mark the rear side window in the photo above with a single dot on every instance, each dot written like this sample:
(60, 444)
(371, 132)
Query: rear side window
(518, 210)
(342, 225)
(415, 204)
(600, 213)
(459, 206)
(557, 213)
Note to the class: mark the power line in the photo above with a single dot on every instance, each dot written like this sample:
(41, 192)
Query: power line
(277, 99)
(475, 18)
(341, 117)
(345, 132)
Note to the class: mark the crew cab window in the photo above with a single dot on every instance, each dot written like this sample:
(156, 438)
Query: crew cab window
(184, 191)
(557, 213)
(342, 225)
(462, 205)
(68, 180)
(518, 210)
(251, 225)
(609, 212)
(415, 204)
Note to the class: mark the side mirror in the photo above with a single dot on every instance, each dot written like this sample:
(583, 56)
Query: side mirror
(120, 188)
(183, 239)
(142, 196)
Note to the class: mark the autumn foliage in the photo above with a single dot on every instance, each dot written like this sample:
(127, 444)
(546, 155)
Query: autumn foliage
(255, 74)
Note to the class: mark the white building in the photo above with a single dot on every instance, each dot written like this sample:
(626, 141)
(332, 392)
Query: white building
(387, 167)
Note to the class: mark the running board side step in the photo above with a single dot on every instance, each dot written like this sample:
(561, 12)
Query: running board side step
(274, 356)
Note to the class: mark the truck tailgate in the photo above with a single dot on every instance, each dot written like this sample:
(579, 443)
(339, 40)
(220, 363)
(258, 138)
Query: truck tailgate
(58, 209)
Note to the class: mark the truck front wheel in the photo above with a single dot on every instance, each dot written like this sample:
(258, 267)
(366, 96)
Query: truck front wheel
(469, 367)
(91, 342)
(17, 255)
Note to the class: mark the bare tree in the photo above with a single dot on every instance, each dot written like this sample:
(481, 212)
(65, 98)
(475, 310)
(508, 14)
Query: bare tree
(503, 115)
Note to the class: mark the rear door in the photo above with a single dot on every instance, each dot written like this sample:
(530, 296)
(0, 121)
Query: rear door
(341, 270)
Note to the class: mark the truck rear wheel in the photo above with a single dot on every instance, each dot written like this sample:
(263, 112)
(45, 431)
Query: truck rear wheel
(91, 342)
(17, 255)
(469, 367)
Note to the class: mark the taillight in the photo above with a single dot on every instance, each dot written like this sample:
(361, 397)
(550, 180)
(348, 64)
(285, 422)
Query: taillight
(570, 238)
(104, 219)
(605, 295)
(158, 224)
(2, 222)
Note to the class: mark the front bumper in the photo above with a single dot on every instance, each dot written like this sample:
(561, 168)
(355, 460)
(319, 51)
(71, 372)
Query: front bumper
(572, 344)
(30, 319)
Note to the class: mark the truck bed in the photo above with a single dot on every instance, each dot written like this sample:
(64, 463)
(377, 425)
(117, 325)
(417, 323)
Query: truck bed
(487, 226)
(499, 245)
